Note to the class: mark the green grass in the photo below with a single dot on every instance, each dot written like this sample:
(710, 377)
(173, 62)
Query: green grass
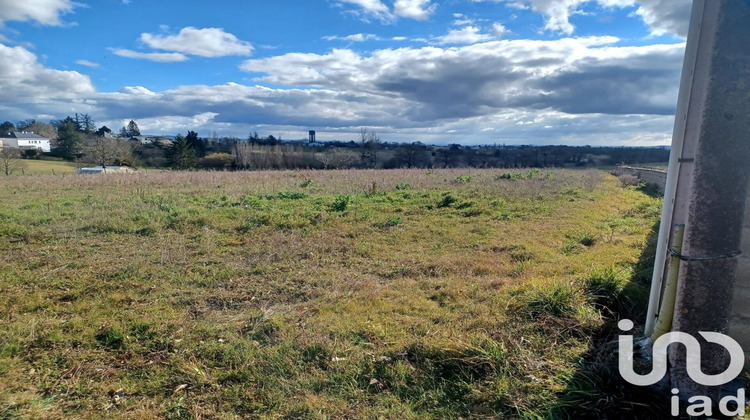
(47, 167)
(341, 294)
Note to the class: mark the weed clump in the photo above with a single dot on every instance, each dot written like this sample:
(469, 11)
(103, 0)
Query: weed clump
(111, 338)
(340, 203)
(290, 195)
(584, 238)
(509, 176)
(604, 287)
(559, 301)
(446, 201)
(570, 248)
(393, 221)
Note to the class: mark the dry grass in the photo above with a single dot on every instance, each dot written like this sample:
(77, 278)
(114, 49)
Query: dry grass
(337, 294)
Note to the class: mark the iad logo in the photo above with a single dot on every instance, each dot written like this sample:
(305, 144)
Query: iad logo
(693, 350)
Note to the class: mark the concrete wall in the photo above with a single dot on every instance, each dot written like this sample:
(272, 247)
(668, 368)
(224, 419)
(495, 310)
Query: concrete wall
(653, 176)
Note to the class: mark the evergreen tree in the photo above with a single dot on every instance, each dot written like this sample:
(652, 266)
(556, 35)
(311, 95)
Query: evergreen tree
(196, 143)
(69, 138)
(7, 128)
(86, 123)
(132, 129)
(182, 154)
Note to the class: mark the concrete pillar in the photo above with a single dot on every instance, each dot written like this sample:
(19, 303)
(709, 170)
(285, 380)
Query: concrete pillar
(713, 185)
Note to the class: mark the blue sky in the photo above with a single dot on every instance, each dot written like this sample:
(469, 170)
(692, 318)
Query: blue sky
(577, 72)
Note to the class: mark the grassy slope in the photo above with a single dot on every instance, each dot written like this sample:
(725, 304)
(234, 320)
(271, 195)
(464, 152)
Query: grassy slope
(225, 295)
(47, 167)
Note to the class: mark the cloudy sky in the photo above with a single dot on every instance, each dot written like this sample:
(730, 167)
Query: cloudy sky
(437, 71)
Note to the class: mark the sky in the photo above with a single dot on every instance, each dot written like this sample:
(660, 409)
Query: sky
(576, 72)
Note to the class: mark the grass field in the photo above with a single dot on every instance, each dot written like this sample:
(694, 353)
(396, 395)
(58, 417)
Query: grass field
(47, 167)
(334, 294)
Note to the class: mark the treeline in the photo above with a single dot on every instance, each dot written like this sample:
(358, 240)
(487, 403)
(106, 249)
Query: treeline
(77, 138)
(235, 154)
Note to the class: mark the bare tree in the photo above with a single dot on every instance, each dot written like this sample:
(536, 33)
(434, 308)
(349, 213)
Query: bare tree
(42, 129)
(326, 158)
(344, 159)
(448, 157)
(369, 143)
(336, 158)
(411, 155)
(10, 161)
(102, 151)
(242, 152)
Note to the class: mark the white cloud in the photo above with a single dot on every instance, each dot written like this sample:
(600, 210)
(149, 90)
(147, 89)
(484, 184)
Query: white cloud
(24, 80)
(414, 9)
(588, 90)
(172, 124)
(45, 12)
(666, 16)
(157, 57)
(208, 42)
(572, 75)
(463, 22)
(411, 9)
(465, 35)
(499, 29)
(353, 38)
(88, 63)
(662, 16)
(374, 8)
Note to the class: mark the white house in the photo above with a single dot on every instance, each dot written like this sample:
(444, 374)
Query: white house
(24, 140)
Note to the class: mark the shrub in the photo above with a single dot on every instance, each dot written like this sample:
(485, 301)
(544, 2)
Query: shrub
(462, 179)
(446, 201)
(341, 203)
(217, 161)
(509, 176)
(290, 195)
(393, 221)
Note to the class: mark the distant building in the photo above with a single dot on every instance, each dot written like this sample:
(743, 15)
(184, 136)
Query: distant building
(312, 136)
(159, 141)
(141, 139)
(106, 170)
(162, 141)
(26, 141)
